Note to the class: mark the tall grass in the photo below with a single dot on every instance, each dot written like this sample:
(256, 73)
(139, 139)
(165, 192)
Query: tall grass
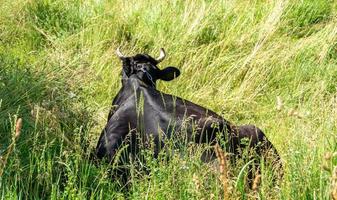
(58, 72)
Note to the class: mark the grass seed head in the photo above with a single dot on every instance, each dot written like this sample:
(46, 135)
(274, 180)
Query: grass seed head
(223, 170)
(18, 127)
(328, 156)
(257, 181)
(279, 103)
(196, 181)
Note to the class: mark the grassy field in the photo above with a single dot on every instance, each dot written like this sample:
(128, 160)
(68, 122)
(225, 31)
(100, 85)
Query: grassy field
(272, 63)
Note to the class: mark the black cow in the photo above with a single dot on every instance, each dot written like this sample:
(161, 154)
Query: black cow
(139, 110)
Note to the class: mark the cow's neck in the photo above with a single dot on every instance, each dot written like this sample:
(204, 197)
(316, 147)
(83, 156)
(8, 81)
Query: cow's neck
(129, 88)
(135, 82)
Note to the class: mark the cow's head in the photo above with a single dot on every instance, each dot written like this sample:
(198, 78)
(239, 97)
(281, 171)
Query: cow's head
(144, 67)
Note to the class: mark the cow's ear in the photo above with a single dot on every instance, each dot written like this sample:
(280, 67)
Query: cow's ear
(169, 73)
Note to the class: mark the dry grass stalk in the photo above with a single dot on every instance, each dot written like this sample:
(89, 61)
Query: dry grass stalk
(223, 170)
(334, 184)
(3, 159)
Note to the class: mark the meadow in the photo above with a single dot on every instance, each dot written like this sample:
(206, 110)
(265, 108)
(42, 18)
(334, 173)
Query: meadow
(272, 63)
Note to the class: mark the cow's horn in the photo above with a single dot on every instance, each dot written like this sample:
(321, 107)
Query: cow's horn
(119, 53)
(162, 55)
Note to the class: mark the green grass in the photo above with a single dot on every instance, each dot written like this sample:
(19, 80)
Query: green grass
(59, 72)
